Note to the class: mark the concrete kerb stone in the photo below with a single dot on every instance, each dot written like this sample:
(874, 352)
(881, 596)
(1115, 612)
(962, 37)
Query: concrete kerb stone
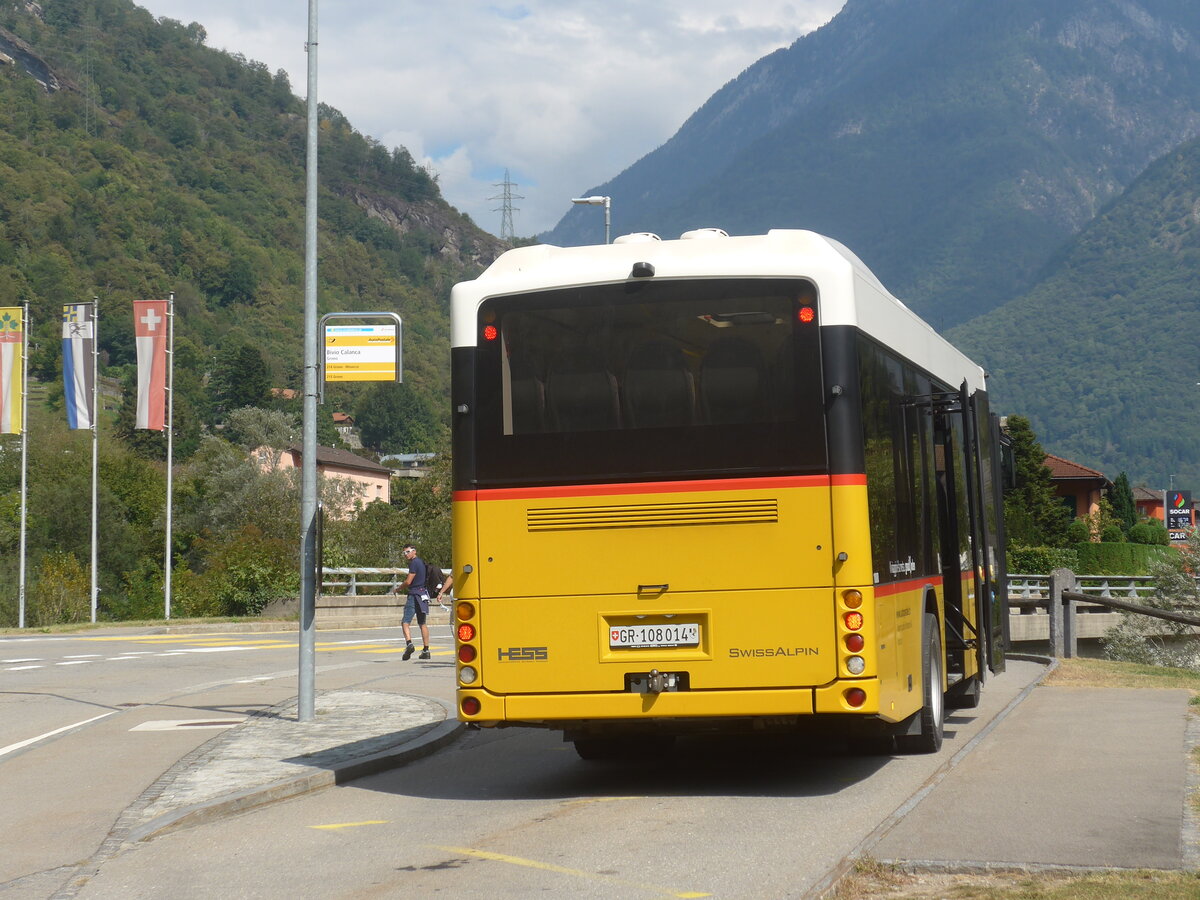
(432, 736)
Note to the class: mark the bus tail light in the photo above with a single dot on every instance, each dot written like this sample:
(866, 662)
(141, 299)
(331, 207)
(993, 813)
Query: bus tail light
(855, 643)
(466, 653)
(464, 612)
(856, 665)
(467, 675)
(470, 706)
(853, 620)
(855, 697)
(466, 631)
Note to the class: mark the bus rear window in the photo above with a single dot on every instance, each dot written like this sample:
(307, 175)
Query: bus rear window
(601, 370)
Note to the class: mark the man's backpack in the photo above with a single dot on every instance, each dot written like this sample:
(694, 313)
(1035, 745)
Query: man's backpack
(433, 578)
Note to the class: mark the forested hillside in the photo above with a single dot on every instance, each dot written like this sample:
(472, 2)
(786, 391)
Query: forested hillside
(160, 164)
(1101, 354)
(137, 161)
(953, 144)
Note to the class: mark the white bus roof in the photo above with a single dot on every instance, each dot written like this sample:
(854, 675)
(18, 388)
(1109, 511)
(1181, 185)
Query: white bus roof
(849, 293)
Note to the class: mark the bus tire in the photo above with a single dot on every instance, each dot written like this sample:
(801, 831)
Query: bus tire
(933, 714)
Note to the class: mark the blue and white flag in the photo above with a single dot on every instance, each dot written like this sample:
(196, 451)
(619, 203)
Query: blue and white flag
(79, 348)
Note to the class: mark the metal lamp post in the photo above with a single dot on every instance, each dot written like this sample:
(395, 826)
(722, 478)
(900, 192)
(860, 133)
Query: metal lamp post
(606, 202)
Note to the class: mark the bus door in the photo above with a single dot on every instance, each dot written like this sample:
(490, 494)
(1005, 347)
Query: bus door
(972, 558)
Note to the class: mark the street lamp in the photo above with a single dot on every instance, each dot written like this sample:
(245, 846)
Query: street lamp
(606, 202)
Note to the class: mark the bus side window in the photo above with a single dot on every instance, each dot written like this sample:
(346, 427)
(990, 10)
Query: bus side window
(581, 393)
(732, 382)
(658, 388)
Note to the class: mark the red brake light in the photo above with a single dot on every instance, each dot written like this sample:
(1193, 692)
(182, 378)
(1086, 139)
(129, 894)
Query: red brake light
(490, 332)
(466, 632)
(853, 620)
(807, 314)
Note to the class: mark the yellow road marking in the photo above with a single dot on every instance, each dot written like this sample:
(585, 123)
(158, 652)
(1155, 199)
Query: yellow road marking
(338, 825)
(160, 638)
(561, 870)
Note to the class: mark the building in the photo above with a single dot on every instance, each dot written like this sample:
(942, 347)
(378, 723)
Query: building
(1150, 504)
(374, 480)
(1079, 487)
(409, 465)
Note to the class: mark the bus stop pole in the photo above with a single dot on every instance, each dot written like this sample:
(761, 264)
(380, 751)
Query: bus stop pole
(305, 698)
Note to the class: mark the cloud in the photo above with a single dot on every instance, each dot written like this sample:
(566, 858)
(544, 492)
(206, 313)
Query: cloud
(565, 94)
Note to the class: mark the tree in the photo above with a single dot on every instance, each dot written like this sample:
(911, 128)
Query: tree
(1142, 639)
(1033, 515)
(393, 418)
(240, 378)
(1123, 507)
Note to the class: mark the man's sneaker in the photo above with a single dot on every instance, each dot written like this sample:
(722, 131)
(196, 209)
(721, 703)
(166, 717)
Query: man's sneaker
(424, 653)
(408, 652)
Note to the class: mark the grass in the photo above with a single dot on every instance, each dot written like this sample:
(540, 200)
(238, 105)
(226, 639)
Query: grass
(872, 880)
(76, 627)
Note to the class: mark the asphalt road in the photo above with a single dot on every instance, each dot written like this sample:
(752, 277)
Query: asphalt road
(499, 814)
(88, 722)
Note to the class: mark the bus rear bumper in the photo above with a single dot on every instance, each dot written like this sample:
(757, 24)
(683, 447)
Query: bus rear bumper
(550, 709)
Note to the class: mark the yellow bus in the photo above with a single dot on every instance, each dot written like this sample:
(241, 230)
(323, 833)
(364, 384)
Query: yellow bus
(717, 484)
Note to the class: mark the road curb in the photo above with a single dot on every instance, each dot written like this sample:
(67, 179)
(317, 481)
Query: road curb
(231, 804)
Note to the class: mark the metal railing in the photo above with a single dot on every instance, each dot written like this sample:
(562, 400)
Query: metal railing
(351, 581)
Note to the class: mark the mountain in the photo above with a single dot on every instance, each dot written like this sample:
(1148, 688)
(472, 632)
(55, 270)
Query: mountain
(1100, 354)
(136, 161)
(953, 144)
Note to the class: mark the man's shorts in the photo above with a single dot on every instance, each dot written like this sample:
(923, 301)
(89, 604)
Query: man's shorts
(418, 605)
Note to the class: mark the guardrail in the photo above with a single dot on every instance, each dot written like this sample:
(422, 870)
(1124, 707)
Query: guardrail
(350, 582)
(1064, 598)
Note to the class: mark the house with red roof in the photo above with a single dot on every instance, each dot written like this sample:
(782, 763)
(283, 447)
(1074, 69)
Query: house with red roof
(1079, 487)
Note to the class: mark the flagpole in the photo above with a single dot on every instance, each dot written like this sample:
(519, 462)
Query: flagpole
(170, 444)
(95, 443)
(24, 458)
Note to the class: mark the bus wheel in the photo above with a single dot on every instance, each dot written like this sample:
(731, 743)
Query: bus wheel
(933, 713)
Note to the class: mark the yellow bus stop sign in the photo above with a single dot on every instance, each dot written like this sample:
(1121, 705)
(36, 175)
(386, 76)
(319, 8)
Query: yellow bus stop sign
(360, 353)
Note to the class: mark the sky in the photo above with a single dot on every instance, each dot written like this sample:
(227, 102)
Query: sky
(563, 94)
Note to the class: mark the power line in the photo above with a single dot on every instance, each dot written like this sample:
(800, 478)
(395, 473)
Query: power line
(506, 209)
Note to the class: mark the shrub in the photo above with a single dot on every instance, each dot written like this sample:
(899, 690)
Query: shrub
(1078, 532)
(1041, 560)
(1153, 533)
(62, 592)
(1118, 558)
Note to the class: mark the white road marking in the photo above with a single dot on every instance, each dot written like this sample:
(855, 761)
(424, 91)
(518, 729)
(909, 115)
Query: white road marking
(41, 737)
(74, 662)
(27, 659)
(20, 668)
(82, 656)
(184, 724)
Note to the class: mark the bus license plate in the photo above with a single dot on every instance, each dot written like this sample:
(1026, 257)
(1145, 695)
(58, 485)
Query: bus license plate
(683, 634)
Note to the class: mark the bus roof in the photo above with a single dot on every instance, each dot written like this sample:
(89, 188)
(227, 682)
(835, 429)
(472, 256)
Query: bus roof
(849, 293)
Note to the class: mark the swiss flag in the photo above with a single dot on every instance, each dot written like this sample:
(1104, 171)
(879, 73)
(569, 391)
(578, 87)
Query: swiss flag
(150, 326)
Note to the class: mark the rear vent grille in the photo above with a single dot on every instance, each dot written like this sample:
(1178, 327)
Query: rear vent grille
(650, 515)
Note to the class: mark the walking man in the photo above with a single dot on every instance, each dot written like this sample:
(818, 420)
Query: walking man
(417, 603)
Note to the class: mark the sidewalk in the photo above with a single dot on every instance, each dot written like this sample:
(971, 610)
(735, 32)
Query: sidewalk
(1071, 778)
(271, 756)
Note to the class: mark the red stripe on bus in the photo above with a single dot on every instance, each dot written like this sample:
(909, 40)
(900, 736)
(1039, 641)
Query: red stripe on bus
(659, 487)
(901, 587)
